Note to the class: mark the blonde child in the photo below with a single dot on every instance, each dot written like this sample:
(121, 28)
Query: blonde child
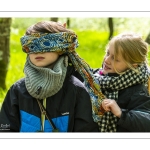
(123, 79)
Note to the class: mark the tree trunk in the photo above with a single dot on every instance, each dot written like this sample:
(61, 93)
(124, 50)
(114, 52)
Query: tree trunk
(5, 24)
(148, 39)
(111, 27)
(68, 22)
(54, 19)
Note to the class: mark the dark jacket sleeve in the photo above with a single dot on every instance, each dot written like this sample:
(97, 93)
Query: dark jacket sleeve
(83, 115)
(136, 117)
(9, 114)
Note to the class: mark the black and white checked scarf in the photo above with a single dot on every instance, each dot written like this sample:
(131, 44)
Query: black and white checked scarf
(110, 85)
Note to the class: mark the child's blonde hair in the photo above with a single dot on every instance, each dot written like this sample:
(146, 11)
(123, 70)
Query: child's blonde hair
(132, 48)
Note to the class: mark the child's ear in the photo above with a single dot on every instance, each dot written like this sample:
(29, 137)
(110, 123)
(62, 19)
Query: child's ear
(65, 25)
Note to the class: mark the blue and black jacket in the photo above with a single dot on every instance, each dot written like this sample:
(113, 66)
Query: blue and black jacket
(70, 109)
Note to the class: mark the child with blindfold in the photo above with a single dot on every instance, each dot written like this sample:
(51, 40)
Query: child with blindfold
(50, 98)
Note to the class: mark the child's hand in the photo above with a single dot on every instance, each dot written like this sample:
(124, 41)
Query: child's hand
(111, 105)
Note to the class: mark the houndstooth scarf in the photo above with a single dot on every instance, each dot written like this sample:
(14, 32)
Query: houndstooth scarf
(110, 85)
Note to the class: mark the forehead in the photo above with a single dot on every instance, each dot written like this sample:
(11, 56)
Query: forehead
(110, 48)
(114, 50)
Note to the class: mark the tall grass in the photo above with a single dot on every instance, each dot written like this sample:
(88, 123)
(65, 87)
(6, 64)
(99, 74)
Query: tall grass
(91, 48)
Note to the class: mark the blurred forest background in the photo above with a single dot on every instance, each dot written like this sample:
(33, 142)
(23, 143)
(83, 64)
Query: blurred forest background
(93, 35)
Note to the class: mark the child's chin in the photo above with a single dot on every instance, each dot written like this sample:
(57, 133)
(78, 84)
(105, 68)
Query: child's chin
(105, 72)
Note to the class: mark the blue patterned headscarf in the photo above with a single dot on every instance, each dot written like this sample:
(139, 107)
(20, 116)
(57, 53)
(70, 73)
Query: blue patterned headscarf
(62, 42)
(66, 42)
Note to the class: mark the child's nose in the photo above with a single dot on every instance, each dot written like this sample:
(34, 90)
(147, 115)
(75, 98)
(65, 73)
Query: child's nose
(107, 59)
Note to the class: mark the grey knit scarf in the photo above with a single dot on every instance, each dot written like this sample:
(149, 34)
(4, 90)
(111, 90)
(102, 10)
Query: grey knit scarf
(44, 82)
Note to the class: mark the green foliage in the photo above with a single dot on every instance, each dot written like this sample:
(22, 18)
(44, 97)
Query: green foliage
(3, 70)
(2, 95)
(92, 46)
(24, 23)
(17, 59)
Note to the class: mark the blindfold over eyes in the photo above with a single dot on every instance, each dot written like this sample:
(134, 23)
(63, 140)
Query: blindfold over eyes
(62, 42)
